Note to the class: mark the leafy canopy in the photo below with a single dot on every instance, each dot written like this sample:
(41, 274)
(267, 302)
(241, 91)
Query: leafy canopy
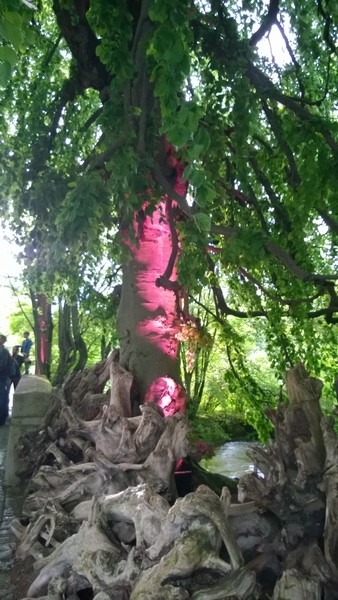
(93, 88)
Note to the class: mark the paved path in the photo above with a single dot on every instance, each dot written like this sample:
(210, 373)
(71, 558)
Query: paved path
(32, 392)
(10, 503)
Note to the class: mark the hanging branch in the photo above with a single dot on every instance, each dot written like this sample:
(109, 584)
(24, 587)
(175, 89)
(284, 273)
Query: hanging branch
(292, 56)
(267, 89)
(302, 99)
(327, 26)
(294, 269)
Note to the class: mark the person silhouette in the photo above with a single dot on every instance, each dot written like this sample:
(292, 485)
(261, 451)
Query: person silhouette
(18, 360)
(25, 349)
(5, 379)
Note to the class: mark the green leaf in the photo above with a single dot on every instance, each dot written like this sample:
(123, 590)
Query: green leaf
(205, 194)
(203, 222)
(199, 145)
(12, 34)
(8, 54)
(197, 177)
(202, 138)
(158, 12)
(14, 18)
(5, 73)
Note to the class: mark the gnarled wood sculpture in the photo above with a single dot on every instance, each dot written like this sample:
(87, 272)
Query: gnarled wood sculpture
(105, 521)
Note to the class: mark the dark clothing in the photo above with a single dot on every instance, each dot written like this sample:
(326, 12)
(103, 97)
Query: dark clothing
(16, 369)
(25, 349)
(5, 382)
(4, 398)
(5, 362)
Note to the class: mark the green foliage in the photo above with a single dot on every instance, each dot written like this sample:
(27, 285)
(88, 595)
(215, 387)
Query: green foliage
(21, 320)
(83, 116)
(239, 388)
(15, 35)
(83, 211)
(211, 430)
(224, 388)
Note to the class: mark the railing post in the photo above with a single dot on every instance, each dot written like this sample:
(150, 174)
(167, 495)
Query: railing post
(30, 403)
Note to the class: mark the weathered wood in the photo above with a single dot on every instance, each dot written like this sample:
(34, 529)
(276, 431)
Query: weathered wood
(330, 484)
(240, 584)
(89, 553)
(112, 523)
(303, 418)
(121, 382)
(293, 585)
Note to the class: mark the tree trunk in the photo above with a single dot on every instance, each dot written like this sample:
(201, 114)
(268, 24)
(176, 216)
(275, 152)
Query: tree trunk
(149, 316)
(65, 342)
(79, 343)
(147, 320)
(43, 331)
(72, 347)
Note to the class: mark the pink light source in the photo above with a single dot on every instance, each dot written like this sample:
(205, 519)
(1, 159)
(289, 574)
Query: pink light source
(167, 394)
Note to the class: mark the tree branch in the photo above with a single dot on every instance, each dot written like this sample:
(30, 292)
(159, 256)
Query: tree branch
(161, 179)
(268, 21)
(294, 269)
(293, 177)
(267, 89)
(298, 71)
(279, 299)
(82, 43)
(52, 51)
(328, 220)
(99, 161)
(92, 119)
(222, 306)
(327, 26)
(280, 213)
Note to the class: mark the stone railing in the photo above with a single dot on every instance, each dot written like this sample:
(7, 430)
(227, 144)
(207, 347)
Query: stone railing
(30, 403)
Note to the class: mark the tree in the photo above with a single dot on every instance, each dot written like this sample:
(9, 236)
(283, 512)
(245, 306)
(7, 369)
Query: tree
(117, 107)
(110, 117)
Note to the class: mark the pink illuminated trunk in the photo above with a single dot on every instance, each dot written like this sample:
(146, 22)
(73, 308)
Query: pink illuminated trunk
(43, 328)
(148, 315)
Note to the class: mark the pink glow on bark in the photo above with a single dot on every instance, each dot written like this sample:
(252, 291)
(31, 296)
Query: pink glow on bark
(167, 394)
(158, 323)
(42, 326)
(42, 345)
(152, 254)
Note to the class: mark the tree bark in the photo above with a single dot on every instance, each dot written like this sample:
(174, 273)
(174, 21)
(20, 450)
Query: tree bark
(147, 318)
(43, 331)
(149, 312)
